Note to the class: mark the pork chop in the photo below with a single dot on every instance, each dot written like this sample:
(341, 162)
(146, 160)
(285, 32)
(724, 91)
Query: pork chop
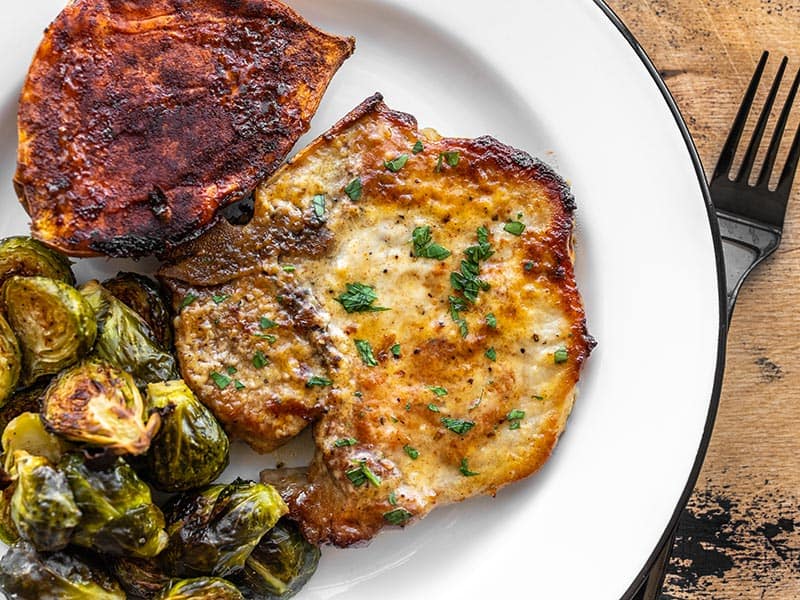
(140, 118)
(440, 333)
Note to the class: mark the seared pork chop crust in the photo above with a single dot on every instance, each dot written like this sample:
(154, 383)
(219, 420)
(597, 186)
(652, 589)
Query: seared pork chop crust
(140, 118)
(463, 384)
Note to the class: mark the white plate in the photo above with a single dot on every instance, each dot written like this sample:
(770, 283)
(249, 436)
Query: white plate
(560, 80)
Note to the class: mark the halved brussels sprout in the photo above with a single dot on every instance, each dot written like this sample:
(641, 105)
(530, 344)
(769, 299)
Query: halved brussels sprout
(140, 578)
(202, 588)
(281, 564)
(27, 400)
(42, 507)
(68, 575)
(191, 448)
(22, 255)
(100, 405)
(54, 325)
(119, 516)
(27, 432)
(10, 361)
(142, 295)
(126, 341)
(212, 532)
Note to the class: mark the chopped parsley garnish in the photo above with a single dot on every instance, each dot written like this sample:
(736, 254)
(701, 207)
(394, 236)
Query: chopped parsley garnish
(451, 158)
(514, 425)
(354, 189)
(266, 323)
(514, 417)
(561, 355)
(359, 298)
(466, 279)
(365, 352)
(418, 147)
(230, 370)
(397, 516)
(433, 408)
(464, 468)
(438, 390)
(398, 163)
(396, 350)
(393, 498)
(456, 306)
(318, 204)
(238, 385)
(361, 474)
(187, 300)
(289, 268)
(344, 442)
(459, 426)
(271, 339)
(412, 452)
(424, 247)
(491, 354)
(514, 227)
(318, 381)
(259, 360)
(219, 298)
(491, 320)
(221, 381)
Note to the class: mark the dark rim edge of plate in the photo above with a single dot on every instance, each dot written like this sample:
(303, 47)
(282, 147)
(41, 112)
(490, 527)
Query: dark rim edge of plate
(667, 536)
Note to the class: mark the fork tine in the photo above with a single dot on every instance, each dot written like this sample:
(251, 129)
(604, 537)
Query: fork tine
(758, 133)
(790, 168)
(725, 161)
(777, 136)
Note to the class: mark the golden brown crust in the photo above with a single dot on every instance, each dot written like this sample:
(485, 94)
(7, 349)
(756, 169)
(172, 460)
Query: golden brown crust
(139, 119)
(391, 406)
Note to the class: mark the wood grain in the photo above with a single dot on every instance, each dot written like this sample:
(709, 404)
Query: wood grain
(740, 535)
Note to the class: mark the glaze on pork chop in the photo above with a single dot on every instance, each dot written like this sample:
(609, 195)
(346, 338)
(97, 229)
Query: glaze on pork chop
(140, 118)
(425, 312)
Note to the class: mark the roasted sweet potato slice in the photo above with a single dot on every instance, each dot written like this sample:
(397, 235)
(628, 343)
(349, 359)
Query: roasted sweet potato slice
(140, 118)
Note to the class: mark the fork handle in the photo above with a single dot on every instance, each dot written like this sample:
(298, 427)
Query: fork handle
(744, 245)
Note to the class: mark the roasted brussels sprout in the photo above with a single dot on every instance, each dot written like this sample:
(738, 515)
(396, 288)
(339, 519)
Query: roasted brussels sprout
(191, 448)
(125, 340)
(26, 400)
(10, 361)
(27, 432)
(202, 588)
(25, 256)
(100, 405)
(281, 564)
(119, 516)
(8, 531)
(142, 295)
(68, 575)
(212, 532)
(54, 325)
(142, 579)
(42, 507)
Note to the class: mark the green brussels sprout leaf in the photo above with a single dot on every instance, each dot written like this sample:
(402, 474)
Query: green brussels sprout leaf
(27, 432)
(202, 588)
(10, 361)
(142, 295)
(22, 255)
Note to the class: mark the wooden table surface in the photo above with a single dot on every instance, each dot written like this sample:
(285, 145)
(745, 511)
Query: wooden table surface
(740, 535)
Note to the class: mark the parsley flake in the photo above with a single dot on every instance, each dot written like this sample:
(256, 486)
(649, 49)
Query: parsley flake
(438, 390)
(365, 352)
(514, 417)
(221, 381)
(397, 516)
(395, 349)
(491, 320)
(361, 474)
(259, 360)
(464, 468)
(412, 452)
(393, 498)
(398, 163)
(230, 370)
(459, 426)
(271, 339)
(187, 300)
(289, 268)
(238, 385)
(344, 442)
(491, 354)
(266, 323)
(514, 227)
(219, 298)
(433, 408)
(359, 298)
(318, 381)
(424, 247)
(452, 158)
(561, 355)
(418, 147)
(318, 204)
(354, 189)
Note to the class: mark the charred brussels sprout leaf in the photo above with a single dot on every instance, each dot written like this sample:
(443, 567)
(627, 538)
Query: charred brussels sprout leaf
(27, 257)
(10, 361)
(68, 575)
(202, 588)
(53, 323)
(119, 516)
(191, 448)
(281, 564)
(98, 404)
(8, 531)
(143, 296)
(126, 341)
(139, 577)
(27, 400)
(27, 432)
(212, 532)
(42, 507)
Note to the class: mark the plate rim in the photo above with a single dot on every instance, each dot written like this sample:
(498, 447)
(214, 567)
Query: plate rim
(641, 579)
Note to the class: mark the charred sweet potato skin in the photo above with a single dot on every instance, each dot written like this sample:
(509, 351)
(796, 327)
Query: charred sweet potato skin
(139, 119)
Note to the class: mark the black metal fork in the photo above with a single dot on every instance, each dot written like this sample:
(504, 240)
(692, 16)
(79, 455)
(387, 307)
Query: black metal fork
(751, 215)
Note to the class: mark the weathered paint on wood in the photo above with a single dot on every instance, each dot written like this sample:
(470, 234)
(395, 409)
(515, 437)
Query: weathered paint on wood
(740, 536)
